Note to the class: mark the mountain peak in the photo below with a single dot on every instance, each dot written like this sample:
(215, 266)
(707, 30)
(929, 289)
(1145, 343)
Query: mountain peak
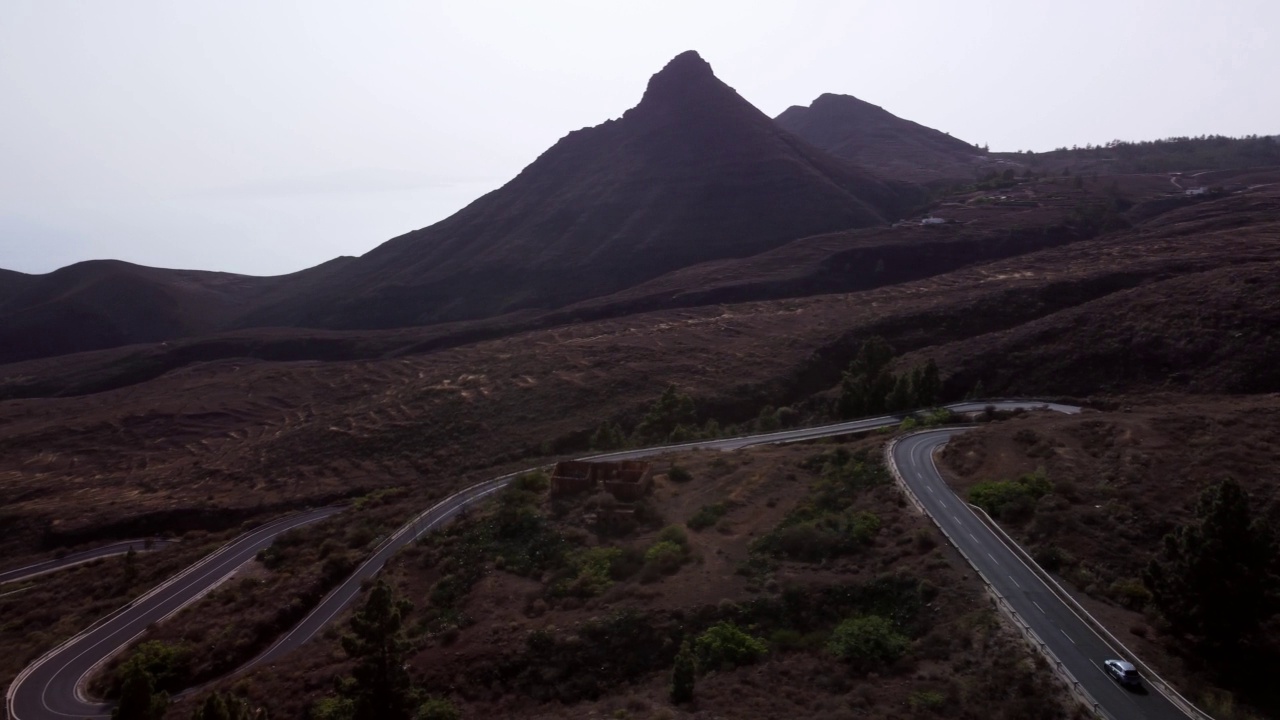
(870, 136)
(685, 77)
(832, 100)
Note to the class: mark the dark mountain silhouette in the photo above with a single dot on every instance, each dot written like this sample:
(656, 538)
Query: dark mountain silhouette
(106, 303)
(693, 173)
(882, 142)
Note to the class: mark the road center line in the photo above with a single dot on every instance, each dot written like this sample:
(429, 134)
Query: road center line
(1015, 582)
(1033, 602)
(993, 557)
(1064, 632)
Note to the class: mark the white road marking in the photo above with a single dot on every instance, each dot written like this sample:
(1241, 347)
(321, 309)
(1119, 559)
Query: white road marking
(974, 538)
(1064, 632)
(929, 488)
(1015, 582)
(993, 557)
(1033, 602)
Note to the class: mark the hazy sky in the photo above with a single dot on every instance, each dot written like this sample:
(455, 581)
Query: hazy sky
(265, 137)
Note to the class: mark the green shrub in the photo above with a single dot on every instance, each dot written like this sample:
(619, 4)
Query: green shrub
(1052, 557)
(830, 536)
(927, 700)
(437, 708)
(679, 474)
(674, 534)
(1011, 500)
(332, 708)
(725, 646)
(707, 516)
(1131, 593)
(594, 568)
(168, 665)
(941, 416)
(665, 556)
(864, 527)
(683, 674)
(867, 642)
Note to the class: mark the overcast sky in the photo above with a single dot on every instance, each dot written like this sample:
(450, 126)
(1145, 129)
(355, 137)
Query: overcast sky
(264, 137)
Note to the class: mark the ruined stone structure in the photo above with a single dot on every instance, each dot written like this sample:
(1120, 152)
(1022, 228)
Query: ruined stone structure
(627, 480)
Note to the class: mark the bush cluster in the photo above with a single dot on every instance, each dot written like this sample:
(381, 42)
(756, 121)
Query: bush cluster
(827, 524)
(1011, 500)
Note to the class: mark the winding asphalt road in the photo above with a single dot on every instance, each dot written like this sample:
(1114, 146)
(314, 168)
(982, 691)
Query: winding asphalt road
(1072, 640)
(48, 566)
(47, 690)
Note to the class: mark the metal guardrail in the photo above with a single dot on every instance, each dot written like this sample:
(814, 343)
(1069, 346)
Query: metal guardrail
(1072, 685)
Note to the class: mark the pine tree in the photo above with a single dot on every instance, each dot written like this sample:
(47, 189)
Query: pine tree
(917, 379)
(668, 413)
(607, 437)
(928, 387)
(138, 698)
(1216, 578)
(868, 382)
(381, 688)
(900, 398)
(683, 675)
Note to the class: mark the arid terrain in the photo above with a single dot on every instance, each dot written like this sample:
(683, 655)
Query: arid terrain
(723, 259)
(539, 641)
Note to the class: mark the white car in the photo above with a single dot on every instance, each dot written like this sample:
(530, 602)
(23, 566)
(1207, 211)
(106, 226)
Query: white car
(1124, 672)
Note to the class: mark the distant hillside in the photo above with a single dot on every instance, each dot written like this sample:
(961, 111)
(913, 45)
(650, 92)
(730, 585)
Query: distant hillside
(107, 303)
(882, 142)
(693, 173)
(1175, 154)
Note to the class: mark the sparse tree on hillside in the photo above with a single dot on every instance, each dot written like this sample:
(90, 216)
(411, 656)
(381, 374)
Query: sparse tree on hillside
(900, 398)
(683, 674)
(381, 688)
(138, 698)
(928, 387)
(608, 437)
(669, 413)
(1216, 577)
(868, 382)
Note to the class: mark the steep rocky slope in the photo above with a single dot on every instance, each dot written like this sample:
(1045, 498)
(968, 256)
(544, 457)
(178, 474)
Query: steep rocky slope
(692, 173)
(872, 137)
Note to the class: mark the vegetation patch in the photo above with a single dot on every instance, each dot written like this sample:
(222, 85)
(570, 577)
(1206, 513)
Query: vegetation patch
(828, 524)
(707, 516)
(1011, 500)
(725, 646)
(868, 642)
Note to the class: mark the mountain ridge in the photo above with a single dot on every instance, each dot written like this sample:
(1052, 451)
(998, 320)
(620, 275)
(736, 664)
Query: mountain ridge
(869, 135)
(691, 173)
